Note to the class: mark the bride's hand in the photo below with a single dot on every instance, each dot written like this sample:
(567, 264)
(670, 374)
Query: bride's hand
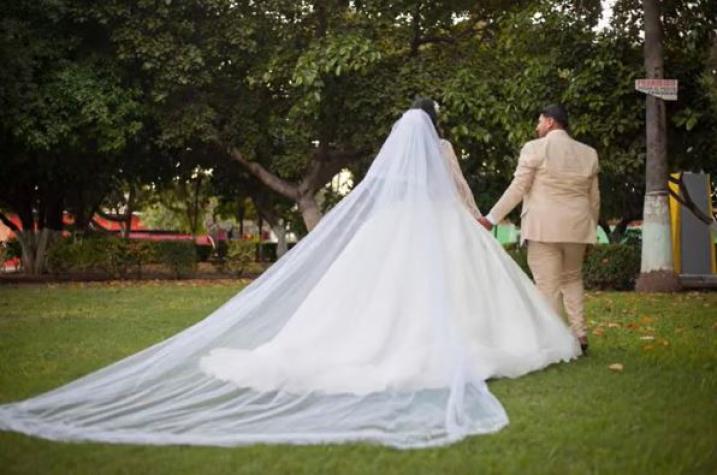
(485, 223)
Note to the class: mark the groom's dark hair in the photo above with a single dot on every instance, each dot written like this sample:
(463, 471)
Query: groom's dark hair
(427, 105)
(558, 113)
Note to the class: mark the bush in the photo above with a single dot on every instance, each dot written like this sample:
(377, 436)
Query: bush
(14, 248)
(179, 256)
(126, 255)
(632, 237)
(266, 252)
(612, 266)
(239, 255)
(204, 251)
(606, 266)
(221, 251)
(61, 256)
(119, 257)
(82, 254)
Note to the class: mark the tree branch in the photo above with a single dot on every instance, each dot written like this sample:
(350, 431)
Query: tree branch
(325, 165)
(277, 184)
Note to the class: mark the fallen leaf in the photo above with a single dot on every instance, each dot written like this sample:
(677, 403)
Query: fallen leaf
(647, 337)
(598, 331)
(616, 367)
(613, 325)
(645, 319)
(648, 347)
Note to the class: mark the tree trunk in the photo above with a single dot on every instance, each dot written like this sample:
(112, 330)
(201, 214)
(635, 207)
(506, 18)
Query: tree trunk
(27, 244)
(34, 246)
(323, 166)
(280, 231)
(37, 228)
(657, 270)
(310, 211)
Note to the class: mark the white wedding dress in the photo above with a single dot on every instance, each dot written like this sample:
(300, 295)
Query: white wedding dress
(381, 325)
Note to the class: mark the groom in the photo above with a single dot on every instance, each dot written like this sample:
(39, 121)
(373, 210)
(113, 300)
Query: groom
(556, 179)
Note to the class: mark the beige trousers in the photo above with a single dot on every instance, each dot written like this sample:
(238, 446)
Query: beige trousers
(557, 270)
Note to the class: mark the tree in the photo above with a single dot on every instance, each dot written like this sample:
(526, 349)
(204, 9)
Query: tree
(293, 91)
(66, 116)
(657, 271)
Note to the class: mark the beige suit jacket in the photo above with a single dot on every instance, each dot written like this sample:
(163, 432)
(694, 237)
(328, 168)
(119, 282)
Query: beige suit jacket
(557, 181)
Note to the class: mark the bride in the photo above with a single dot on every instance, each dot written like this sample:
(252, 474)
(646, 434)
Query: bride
(381, 325)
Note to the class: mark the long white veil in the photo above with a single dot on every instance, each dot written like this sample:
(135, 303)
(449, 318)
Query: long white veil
(397, 291)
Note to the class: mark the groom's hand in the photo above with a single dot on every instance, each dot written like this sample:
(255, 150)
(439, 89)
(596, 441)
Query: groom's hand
(485, 223)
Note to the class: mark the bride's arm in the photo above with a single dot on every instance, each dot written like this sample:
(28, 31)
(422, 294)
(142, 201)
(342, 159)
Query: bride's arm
(464, 191)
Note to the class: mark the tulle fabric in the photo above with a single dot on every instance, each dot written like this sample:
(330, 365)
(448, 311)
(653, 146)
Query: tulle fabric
(381, 325)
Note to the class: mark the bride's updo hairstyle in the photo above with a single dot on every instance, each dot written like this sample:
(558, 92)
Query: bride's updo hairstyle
(428, 106)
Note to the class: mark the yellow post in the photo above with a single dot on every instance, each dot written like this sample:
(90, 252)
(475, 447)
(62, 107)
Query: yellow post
(675, 211)
(710, 212)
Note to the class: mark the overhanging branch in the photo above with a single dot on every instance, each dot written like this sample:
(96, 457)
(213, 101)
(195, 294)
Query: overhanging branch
(274, 182)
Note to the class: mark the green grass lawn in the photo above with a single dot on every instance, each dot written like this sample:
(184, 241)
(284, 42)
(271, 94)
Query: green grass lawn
(657, 415)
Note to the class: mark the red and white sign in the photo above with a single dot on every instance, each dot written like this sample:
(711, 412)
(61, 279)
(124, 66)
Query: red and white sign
(665, 89)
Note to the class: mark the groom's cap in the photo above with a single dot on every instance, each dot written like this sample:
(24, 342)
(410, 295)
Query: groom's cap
(556, 112)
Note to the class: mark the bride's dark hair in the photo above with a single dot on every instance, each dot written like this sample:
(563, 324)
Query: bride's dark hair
(427, 105)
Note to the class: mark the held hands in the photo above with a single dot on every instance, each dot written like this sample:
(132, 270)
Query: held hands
(485, 223)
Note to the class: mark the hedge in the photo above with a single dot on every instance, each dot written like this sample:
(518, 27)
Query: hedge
(606, 267)
(612, 267)
(119, 257)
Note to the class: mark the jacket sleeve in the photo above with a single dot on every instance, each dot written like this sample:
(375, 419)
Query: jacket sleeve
(464, 191)
(523, 177)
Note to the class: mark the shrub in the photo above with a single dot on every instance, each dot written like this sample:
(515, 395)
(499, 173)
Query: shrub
(266, 251)
(612, 266)
(127, 255)
(13, 248)
(239, 255)
(61, 256)
(119, 257)
(179, 256)
(221, 251)
(606, 266)
(203, 252)
(81, 254)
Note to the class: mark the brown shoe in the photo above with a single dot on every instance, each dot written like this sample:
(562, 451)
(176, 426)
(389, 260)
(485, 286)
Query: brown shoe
(583, 343)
